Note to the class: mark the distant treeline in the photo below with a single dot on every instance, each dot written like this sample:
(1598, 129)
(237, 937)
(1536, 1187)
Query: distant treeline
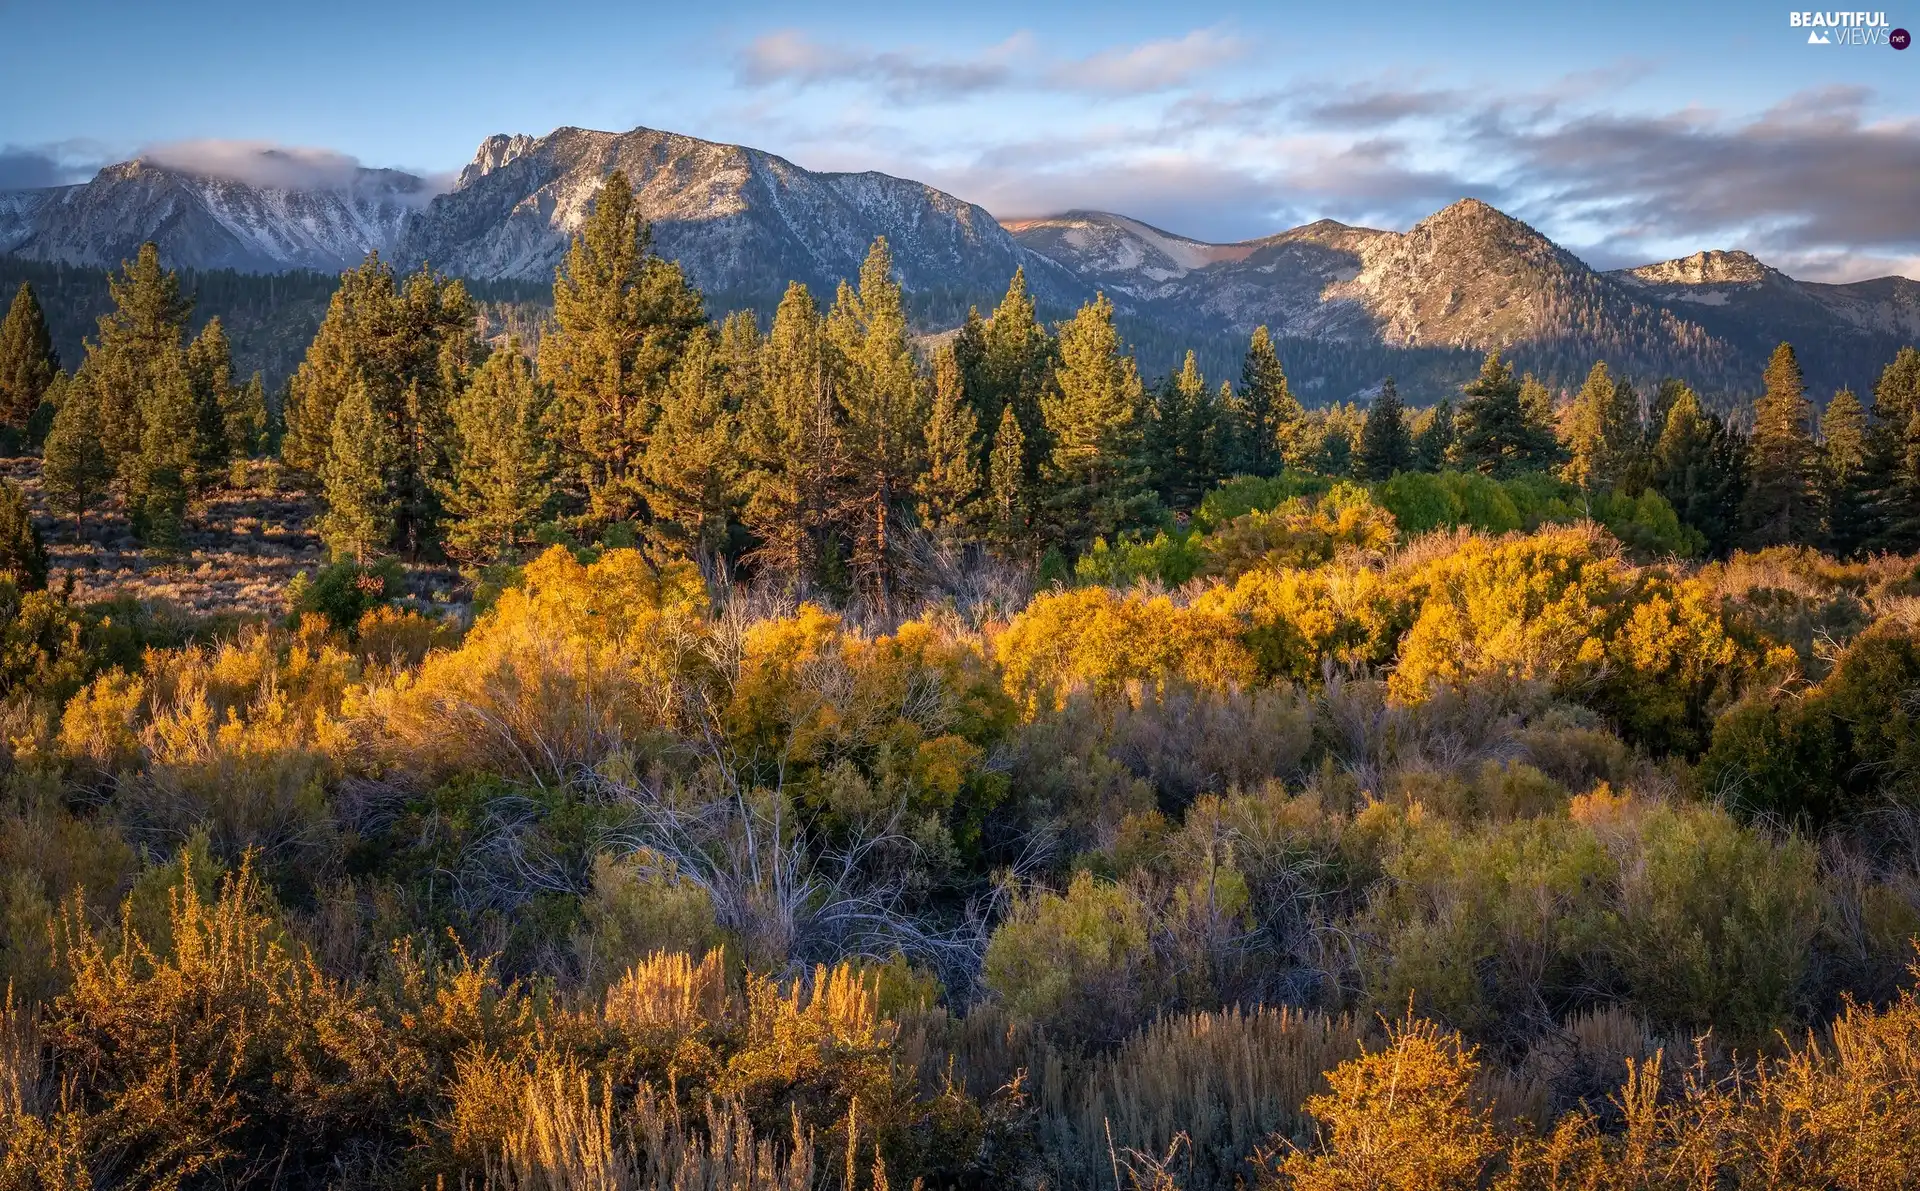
(270, 318)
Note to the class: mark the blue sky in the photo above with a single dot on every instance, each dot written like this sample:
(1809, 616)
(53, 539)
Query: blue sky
(1628, 131)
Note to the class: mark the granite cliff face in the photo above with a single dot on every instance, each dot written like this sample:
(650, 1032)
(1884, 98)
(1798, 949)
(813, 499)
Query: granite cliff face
(742, 222)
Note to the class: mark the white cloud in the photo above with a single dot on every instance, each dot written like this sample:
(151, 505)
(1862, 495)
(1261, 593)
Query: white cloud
(792, 58)
(1150, 66)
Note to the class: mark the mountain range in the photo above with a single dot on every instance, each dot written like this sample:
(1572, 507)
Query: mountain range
(1352, 302)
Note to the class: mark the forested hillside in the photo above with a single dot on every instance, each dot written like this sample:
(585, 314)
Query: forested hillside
(699, 751)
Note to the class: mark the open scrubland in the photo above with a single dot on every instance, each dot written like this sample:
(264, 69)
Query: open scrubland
(700, 755)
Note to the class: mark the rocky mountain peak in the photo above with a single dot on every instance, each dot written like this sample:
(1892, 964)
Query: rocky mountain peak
(1713, 267)
(495, 152)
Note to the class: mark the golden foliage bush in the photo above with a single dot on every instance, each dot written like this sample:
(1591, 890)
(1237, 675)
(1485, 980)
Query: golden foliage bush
(1114, 646)
(1405, 1117)
(1227, 1081)
(1562, 607)
(1302, 532)
(192, 1058)
(1841, 1111)
(580, 661)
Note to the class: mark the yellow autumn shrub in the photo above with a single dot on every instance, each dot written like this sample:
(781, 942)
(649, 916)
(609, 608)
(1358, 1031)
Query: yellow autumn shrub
(579, 661)
(1293, 622)
(1562, 608)
(1107, 643)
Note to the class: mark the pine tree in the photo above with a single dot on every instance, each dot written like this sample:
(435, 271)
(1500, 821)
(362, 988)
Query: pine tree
(412, 346)
(359, 520)
(1266, 416)
(245, 419)
(1009, 498)
(1660, 405)
(1017, 358)
(1699, 465)
(160, 476)
(693, 464)
(210, 369)
(883, 418)
(74, 465)
(23, 556)
(970, 357)
(502, 478)
(1496, 431)
(1098, 483)
(1844, 499)
(1385, 445)
(949, 489)
(28, 363)
(1434, 445)
(1175, 434)
(737, 356)
(137, 349)
(621, 316)
(1333, 450)
(1604, 437)
(1781, 506)
(791, 439)
(1892, 479)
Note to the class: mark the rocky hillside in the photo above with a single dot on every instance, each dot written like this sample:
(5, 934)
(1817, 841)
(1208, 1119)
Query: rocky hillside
(1842, 333)
(1351, 303)
(741, 221)
(1465, 277)
(209, 222)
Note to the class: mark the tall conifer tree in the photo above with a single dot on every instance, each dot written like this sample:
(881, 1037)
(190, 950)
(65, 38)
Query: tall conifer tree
(949, 489)
(160, 475)
(359, 521)
(1892, 479)
(1181, 436)
(1266, 416)
(693, 464)
(1385, 445)
(28, 362)
(1604, 438)
(501, 481)
(210, 368)
(138, 348)
(791, 438)
(1699, 465)
(1010, 499)
(23, 556)
(1845, 502)
(74, 464)
(1018, 357)
(1433, 446)
(412, 346)
(621, 316)
(245, 419)
(882, 417)
(1781, 505)
(1496, 431)
(1097, 480)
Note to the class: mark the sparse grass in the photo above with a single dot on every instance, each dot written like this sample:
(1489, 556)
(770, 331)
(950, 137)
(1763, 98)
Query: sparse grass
(244, 544)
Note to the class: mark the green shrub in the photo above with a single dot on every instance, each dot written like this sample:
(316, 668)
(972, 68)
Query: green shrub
(1254, 494)
(1848, 744)
(1072, 961)
(344, 592)
(1167, 558)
